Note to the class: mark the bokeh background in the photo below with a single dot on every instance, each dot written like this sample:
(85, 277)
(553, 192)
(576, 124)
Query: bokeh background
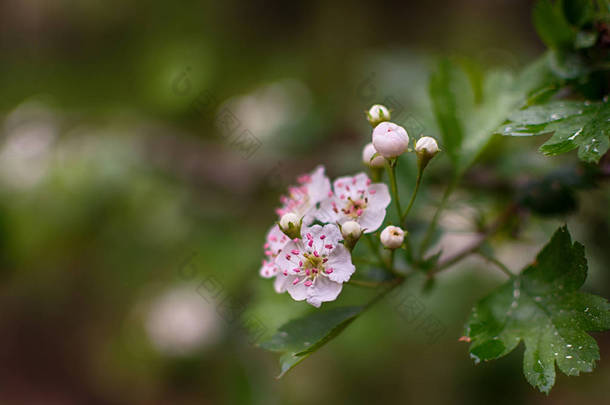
(143, 149)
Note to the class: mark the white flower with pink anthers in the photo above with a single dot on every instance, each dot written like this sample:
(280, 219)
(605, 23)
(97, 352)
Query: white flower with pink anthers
(314, 267)
(355, 198)
(302, 199)
(275, 242)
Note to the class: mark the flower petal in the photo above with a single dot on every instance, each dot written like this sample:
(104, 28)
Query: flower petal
(323, 290)
(328, 234)
(281, 283)
(319, 186)
(268, 269)
(371, 219)
(378, 196)
(341, 262)
(326, 211)
(297, 291)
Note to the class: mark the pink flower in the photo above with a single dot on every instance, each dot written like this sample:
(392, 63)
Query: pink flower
(302, 199)
(314, 267)
(356, 199)
(275, 242)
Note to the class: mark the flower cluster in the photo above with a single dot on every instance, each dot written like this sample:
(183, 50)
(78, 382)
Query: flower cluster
(313, 264)
(312, 261)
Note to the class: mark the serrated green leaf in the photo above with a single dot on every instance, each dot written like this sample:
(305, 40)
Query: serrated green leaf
(574, 124)
(297, 339)
(544, 308)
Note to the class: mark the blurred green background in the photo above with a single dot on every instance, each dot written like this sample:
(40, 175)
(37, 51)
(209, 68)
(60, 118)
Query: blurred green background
(143, 150)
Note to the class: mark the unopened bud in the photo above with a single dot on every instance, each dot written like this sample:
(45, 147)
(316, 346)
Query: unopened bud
(290, 224)
(426, 148)
(390, 140)
(377, 114)
(392, 237)
(367, 157)
(351, 232)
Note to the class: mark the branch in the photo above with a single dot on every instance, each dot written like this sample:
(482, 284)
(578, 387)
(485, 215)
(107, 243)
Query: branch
(476, 245)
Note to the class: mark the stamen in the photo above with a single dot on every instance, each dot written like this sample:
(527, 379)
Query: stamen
(294, 252)
(308, 283)
(296, 281)
(323, 237)
(287, 257)
(328, 270)
(329, 246)
(316, 254)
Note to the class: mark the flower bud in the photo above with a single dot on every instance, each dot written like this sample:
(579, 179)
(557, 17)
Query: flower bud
(351, 229)
(390, 140)
(351, 232)
(290, 224)
(425, 148)
(367, 154)
(377, 114)
(392, 237)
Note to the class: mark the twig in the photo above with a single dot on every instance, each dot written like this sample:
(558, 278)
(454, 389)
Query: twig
(473, 247)
(498, 264)
(437, 214)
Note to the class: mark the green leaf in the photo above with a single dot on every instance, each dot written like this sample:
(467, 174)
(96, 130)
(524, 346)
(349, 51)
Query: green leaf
(468, 109)
(552, 25)
(574, 124)
(443, 85)
(544, 308)
(297, 339)
(578, 12)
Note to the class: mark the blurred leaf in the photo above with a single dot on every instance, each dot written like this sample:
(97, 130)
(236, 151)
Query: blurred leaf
(574, 124)
(552, 25)
(466, 126)
(543, 307)
(567, 64)
(297, 339)
(578, 12)
(444, 101)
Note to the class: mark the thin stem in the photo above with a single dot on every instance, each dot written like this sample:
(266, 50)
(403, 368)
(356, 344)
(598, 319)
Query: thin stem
(437, 214)
(391, 167)
(407, 248)
(417, 183)
(390, 286)
(498, 264)
(476, 245)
